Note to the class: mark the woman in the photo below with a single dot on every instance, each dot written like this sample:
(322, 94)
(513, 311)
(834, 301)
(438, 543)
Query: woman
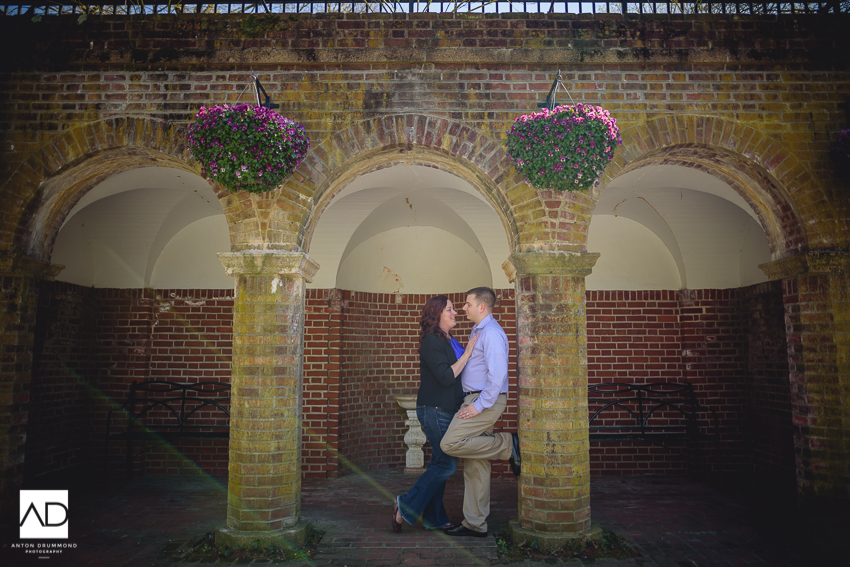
(441, 360)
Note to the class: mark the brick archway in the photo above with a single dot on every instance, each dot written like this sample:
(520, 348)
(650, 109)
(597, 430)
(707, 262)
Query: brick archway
(756, 166)
(54, 178)
(421, 140)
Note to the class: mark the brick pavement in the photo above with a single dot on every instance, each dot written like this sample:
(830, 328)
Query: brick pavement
(672, 521)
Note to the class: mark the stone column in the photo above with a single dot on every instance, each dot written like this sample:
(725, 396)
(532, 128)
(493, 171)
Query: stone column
(816, 294)
(19, 279)
(264, 488)
(554, 488)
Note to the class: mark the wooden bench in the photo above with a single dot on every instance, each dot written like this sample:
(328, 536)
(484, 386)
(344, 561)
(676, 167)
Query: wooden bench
(657, 414)
(161, 411)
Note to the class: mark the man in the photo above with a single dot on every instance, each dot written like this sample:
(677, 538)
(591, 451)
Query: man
(470, 435)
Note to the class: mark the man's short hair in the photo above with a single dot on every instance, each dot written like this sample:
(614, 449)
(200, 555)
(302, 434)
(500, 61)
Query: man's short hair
(484, 295)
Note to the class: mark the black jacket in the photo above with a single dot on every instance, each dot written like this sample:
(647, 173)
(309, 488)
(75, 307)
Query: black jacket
(438, 385)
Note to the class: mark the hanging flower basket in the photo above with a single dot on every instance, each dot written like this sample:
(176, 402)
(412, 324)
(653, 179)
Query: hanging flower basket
(245, 147)
(840, 153)
(565, 148)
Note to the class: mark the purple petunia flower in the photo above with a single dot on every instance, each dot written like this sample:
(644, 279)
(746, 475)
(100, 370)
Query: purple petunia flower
(542, 144)
(227, 131)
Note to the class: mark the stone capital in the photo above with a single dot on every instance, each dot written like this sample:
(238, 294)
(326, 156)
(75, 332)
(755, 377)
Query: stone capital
(578, 264)
(24, 266)
(269, 263)
(808, 263)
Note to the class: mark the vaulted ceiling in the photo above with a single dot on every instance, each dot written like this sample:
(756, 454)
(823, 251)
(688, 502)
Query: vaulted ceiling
(415, 229)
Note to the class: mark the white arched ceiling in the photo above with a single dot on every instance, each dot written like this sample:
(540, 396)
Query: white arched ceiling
(634, 257)
(409, 229)
(147, 227)
(672, 216)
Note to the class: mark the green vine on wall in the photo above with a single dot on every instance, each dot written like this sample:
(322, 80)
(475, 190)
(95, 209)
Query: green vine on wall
(254, 26)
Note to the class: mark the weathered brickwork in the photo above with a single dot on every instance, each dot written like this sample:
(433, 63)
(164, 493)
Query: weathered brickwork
(815, 299)
(632, 337)
(771, 438)
(19, 309)
(264, 466)
(712, 92)
(19, 281)
(752, 101)
(554, 487)
(62, 390)
(90, 344)
(818, 382)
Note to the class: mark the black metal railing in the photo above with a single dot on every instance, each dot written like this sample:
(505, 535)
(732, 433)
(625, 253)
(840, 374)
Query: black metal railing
(130, 7)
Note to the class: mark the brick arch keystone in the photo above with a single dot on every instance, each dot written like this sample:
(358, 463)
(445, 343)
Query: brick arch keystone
(424, 140)
(763, 171)
(53, 178)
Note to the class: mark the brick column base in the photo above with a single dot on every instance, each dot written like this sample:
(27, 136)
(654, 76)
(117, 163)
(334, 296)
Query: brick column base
(816, 294)
(264, 484)
(554, 487)
(19, 279)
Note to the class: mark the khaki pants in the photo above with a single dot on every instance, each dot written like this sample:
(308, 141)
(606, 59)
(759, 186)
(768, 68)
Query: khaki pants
(473, 440)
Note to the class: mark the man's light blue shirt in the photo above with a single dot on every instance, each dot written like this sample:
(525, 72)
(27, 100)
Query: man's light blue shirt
(487, 368)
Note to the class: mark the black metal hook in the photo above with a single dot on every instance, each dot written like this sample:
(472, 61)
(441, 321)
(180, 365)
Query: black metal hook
(259, 87)
(553, 90)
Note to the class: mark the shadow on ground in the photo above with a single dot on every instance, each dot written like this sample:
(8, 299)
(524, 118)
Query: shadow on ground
(669, 521)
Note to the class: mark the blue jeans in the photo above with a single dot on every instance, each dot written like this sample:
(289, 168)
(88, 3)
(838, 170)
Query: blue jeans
(426, 497)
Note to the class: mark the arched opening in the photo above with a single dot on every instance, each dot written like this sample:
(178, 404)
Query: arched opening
(677, 296)
(673, 227)
(142, 296)
(386, 241)
(148, 227)
(409, 229)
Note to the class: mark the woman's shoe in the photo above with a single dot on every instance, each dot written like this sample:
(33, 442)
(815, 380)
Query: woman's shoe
(396, 525)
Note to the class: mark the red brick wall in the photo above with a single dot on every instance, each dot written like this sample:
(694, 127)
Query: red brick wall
(770, 425)
(92, 343)
(191, 339)
(355, 413)
(633, 337)
(61, 396)
(379, 360)
(322, 377)
(713, 352)
(671, 336)
(361, 349)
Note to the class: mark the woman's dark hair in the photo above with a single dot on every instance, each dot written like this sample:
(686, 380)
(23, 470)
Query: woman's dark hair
(430, 322)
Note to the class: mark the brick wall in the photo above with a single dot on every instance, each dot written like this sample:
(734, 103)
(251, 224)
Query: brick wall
(360, 350)
(768, 87)
(730, 344)
(19, 279)
(92, 343)
(816, 307)
(633, 337)
(378, 359)
(714, 362)
(62, 393)
(191, 341)
(771, 436)
(694, 337)
(323, 336)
